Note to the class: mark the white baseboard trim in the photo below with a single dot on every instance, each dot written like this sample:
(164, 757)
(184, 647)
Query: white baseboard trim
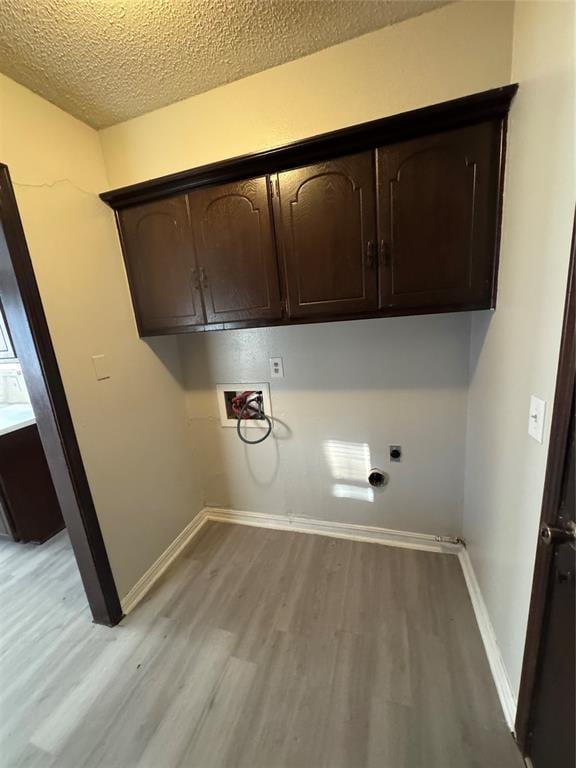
(427, 542)
(375, 534)
(145, 582)
(505, 693)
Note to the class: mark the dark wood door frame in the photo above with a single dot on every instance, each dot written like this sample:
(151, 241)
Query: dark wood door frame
(25, 316)
(559, 436)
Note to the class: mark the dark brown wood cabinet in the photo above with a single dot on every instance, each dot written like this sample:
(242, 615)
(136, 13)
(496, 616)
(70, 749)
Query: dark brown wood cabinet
(159, 256)
(438, 218)
(29, 507)
(327, 233)
(393, 217)
(236, 251)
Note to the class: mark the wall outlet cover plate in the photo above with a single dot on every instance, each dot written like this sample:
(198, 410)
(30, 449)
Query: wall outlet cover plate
(259, 386)
(276, 367)
(101, 367)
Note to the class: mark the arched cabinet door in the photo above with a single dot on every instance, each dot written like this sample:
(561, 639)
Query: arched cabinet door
(438, 219)
(328, 236)
(236, 251)
(159, 254)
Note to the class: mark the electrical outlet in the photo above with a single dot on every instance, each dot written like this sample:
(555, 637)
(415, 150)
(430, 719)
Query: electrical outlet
(276, 368)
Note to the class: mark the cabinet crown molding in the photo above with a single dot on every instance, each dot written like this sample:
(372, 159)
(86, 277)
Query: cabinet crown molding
(456, 113)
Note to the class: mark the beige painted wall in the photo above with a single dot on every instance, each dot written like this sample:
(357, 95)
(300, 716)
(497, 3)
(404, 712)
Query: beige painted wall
(388, 394)
(131, 428)
(514, 352)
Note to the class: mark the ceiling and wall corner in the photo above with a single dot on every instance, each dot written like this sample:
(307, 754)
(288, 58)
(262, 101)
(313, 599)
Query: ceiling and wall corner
(105, 61)
(437, 56)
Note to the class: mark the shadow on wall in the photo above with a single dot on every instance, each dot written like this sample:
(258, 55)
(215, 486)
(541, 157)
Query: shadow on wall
(382, 353)
(167, 351)
(350, 390)
(480, 323)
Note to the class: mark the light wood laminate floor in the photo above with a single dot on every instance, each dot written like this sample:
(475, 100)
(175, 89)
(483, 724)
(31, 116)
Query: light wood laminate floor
(258, 649)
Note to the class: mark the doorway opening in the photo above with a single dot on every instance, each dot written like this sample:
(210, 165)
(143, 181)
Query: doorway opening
(29, 334)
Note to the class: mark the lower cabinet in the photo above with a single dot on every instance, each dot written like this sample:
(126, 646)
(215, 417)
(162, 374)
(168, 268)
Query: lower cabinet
(29, 507)
(236, 251)
(437, 219)
(327, 232)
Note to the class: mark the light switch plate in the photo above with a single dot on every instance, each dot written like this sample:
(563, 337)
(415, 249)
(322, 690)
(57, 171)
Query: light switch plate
(276, 368)
(536, 418)
(101, 369)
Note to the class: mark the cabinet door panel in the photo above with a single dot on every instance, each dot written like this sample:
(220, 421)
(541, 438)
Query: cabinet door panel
(437, 215)
(328, 235)
(159, 255)
(236, 251)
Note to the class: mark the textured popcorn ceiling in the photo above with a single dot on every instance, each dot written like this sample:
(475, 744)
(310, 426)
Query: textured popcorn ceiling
(105, 61)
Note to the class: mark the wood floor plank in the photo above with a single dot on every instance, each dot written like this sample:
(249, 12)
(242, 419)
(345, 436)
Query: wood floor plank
(179, 723)
(256, 649)
(212, 743)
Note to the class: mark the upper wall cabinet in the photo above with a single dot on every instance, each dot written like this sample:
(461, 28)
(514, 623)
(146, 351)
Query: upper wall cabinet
(236, 251)
(328, 237)
(437, 218)
(394, 217)
(159, 257)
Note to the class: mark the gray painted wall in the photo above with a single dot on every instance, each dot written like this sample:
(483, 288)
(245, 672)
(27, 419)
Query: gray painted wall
(350, 389)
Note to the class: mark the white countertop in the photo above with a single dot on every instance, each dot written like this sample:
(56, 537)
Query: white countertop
(15, 416)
